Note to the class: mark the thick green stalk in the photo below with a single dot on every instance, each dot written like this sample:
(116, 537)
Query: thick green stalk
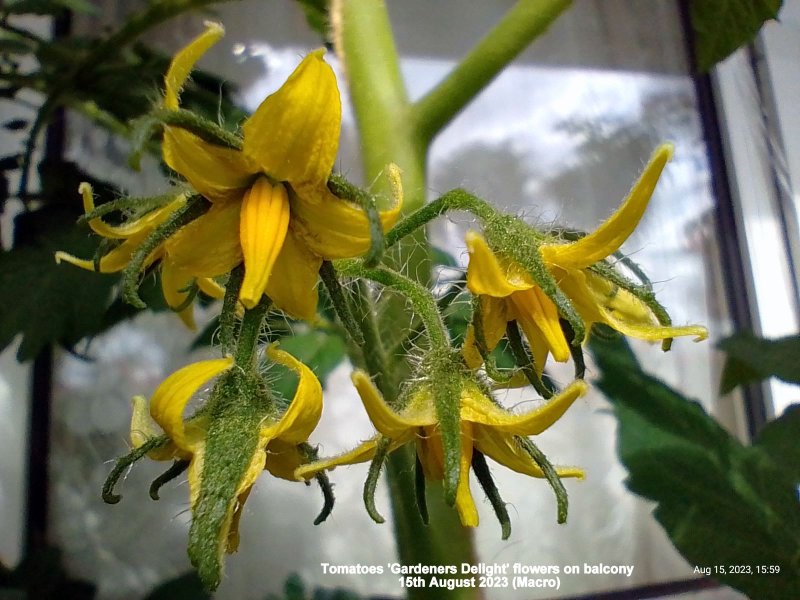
(526, 21)
(364, 42)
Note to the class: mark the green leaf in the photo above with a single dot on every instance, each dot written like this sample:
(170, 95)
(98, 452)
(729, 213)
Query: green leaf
(722, 26)
(781, 440)
(752, 359)
(720, 502)
(316, 12)
(49, 7)
(46, 302)
(320, 350)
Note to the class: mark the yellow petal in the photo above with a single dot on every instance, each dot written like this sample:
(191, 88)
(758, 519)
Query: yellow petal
(294, 134)
(283, 458)
(504, 449)
(216, 172)
(263, 225)
(465, 505)
(293, 284)
(538, 317)
(114, 261)
(334, 228)
(139, 228)
(211, 288)
(361, 453)
(608, 238)
(476, 408)
(195, 472)
(171, 397)
(303, 413)
(174, 284)
(143, 428)
(233, 528)
(494, 319)
(183, 62)
(491, 274)
(385, 420)
(208, 246)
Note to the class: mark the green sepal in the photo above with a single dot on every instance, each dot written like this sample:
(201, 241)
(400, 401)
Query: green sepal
(124, 462)
(238, 405)
(373, 475)
(194, 208)
(484, 476)
(419, 490)
(446, 382)
(340, 187)
(550, 474)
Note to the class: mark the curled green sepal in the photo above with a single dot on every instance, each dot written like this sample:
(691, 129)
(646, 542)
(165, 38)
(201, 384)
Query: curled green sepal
(139, 205)
(339, 186)
(327, 497)
(122, 464)
(175, 470)
(194, 208)
(575, 351)
(484, 476)
(341, 305)
(419, 491)
(372, 479)
(550, 474)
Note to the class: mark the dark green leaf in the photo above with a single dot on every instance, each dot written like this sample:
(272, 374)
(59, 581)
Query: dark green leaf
(185, 587)
(46, 302)
(721, 503)
(752, 359)
(781, 440)
(316, 12)
(722, 26)
(320, 350)
(49, 7)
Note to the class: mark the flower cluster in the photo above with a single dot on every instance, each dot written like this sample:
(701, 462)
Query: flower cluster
(256, 220)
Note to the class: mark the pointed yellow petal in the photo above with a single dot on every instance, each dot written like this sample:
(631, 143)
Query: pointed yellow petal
(361, 453)
(465, 505)
(538, 317)
(233, 531)
(140, 228)
(263, 225)
(385, 420)
(476, 408)
(334, 228)
(171, 397)
(294, 134)
(143, 428)
(608, 238)
(303, 413)
(216, 172)
(174, 285)
(114, 261)
(293, 284)
(505, 450)
(491, 274)
(211, 288)
(195, 472)
(191, 247)
(184, 61)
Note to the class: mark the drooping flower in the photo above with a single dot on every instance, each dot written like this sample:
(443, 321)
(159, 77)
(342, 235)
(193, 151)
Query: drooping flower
(131, 235)
(271, 206)
(483, 425)
(228, 442)
(508, 289)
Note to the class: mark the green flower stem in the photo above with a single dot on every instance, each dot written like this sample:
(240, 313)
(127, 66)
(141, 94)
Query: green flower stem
(249, 332)
(457, 199)
(364, 42)
(228, 329)
(341, 306)
(419, 297)
(373, 352)
(527, 20)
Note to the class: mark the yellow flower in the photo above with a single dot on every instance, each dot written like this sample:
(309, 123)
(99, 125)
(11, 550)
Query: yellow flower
(271, 206)
(277, 436)
(507, 290)
(485, 427)
(132, 234)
